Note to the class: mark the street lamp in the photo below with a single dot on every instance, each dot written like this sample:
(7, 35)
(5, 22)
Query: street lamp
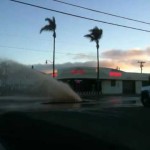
(32, 67)
(48, 61)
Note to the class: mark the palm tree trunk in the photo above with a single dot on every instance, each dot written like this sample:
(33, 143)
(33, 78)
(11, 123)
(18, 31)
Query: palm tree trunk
(98, 72)
(54, 58)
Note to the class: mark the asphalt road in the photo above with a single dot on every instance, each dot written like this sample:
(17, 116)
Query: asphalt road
(115, 123)
(113, 128)
(125, 126)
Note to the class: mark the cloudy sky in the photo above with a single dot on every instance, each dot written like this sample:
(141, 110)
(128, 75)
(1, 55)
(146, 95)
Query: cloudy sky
(20, 39)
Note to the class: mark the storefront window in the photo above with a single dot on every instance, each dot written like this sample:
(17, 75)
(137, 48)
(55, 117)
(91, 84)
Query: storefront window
(113, 82)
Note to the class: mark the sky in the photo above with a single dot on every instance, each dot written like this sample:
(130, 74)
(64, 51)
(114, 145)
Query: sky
(21, 41)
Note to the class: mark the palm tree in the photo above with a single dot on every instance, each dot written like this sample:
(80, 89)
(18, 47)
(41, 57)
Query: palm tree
(51, 27)
(95, 35)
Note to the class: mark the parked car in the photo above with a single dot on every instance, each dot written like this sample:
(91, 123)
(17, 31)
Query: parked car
(145, 96)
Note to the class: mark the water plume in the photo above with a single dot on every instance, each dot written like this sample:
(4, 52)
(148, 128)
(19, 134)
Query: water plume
(19, 80)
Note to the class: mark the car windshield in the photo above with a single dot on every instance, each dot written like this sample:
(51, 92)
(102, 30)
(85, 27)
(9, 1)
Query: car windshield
(74, 72)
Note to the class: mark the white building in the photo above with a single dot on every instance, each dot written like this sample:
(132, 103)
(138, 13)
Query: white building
(112, 81)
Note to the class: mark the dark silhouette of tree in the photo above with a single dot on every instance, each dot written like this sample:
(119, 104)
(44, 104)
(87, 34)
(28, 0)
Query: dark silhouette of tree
(52, 28)
(95, 35)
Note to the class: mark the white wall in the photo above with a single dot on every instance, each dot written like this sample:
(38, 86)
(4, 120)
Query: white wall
(108, 89)
(138, 85)
(118, 89)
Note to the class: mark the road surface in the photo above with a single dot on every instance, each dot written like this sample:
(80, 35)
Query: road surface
(114, 123)
(43, 104)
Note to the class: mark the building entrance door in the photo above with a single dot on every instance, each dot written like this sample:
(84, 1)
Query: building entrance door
(128, 87)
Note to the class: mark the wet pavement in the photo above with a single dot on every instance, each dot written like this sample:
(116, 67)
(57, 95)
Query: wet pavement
(44, 104)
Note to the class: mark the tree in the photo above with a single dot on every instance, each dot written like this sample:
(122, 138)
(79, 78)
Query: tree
(52, 28)
(95, 35)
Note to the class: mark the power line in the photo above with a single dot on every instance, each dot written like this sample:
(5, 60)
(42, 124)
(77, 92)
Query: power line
(81, 17)
(11, 47)
(41, 51)
(110, 14)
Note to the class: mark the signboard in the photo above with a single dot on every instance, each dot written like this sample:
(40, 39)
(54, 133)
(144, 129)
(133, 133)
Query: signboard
(78, 71)
(115, 74)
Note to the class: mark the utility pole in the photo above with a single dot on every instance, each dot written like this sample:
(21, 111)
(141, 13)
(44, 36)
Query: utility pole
(141, 64)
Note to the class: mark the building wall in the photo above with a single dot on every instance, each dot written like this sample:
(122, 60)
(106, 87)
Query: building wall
(126, 83)
(107, 87)
(138, 86)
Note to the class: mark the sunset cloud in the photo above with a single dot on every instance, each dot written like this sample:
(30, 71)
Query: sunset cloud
(126, 60)
(83, 56)
(119, 54)
(132, 54)
(128, 66)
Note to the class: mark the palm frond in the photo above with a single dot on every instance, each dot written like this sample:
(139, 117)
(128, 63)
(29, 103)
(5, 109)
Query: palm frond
(54, 19)
(49, 20)
(45, 28)
(89, 36)
(96, 33)
(101, 33)
(52, 23)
